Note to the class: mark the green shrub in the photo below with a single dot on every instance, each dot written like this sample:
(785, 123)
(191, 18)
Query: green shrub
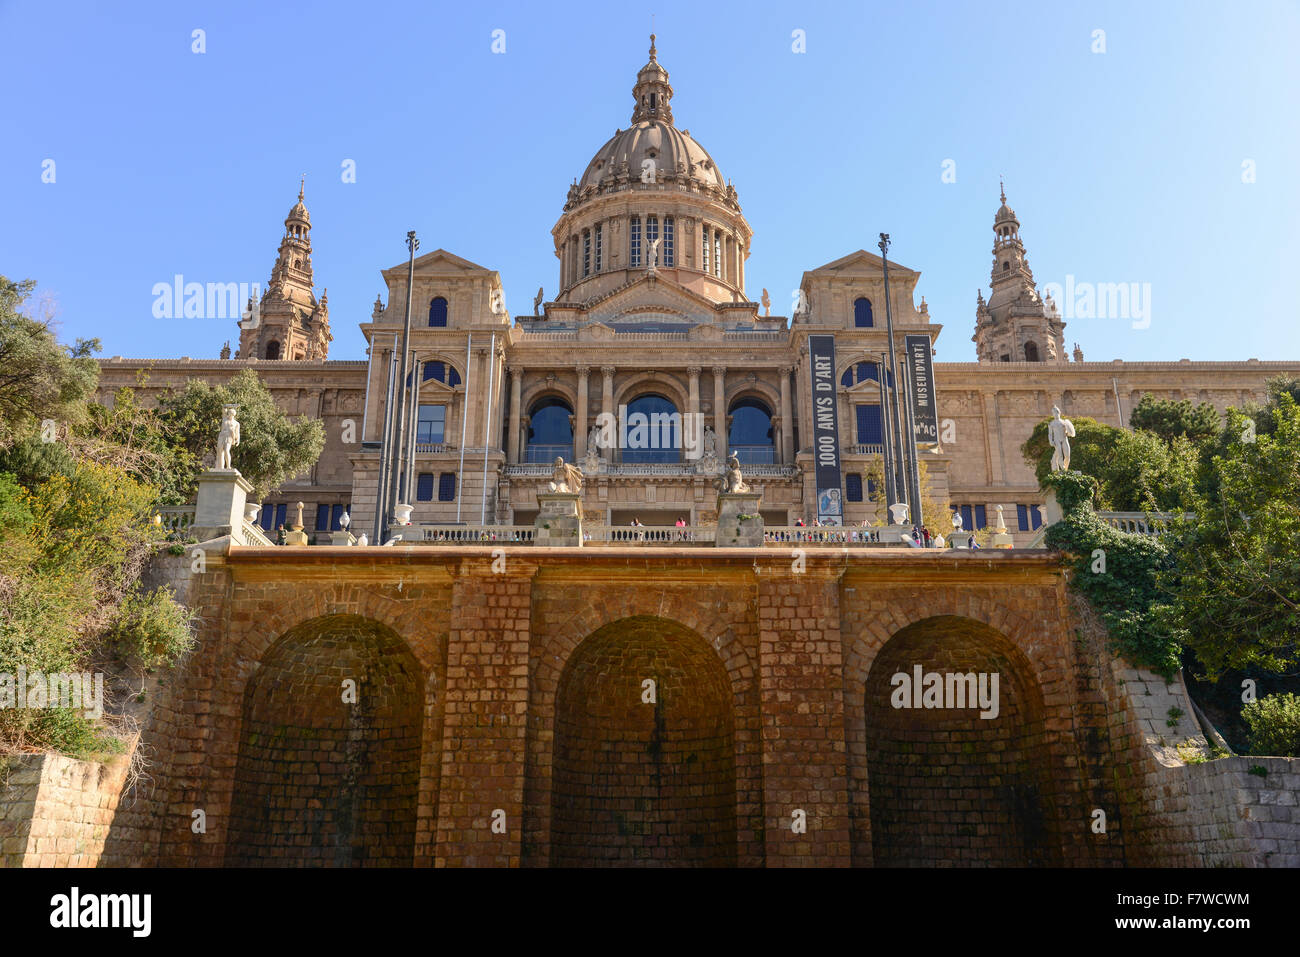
(1274, 722)
(150, 630)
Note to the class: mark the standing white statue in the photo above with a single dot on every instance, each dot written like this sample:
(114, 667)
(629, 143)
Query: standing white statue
(654, 254)
(227, 438)
(1059, 433)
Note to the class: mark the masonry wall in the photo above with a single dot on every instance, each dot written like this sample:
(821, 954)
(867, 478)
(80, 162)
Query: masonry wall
(56, 811)
(502, 720)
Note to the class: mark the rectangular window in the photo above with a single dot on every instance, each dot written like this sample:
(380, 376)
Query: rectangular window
(447, 487)
(706, 249)
(979, 517)
(432, 425)
(651, 234)
(853, 487)
(668, 241)
(870, 430)
(1022, 517)
(1028, 518)
(635, 257)
(322, 518)
(717, 253)
(586, 252)
(424, 487)
(598, 248)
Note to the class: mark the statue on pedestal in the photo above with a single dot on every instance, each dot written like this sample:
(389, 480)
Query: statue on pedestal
(565, 478)
(227, 438)
(732, 480)
(1059, 433)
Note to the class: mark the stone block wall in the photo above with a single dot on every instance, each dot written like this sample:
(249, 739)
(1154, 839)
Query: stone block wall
(56, 811)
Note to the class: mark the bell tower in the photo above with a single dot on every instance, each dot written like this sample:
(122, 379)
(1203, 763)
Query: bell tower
(289, 322)
(1016, 324)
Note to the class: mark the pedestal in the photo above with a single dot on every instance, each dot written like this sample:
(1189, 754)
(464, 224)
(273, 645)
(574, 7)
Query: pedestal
(219, 506)
(559, 519)
(342, 537)
(739, 523)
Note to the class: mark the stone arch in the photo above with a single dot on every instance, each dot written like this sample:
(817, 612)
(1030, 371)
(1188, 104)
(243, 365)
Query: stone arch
(640, 782)
(948, 787)
(652, 382)
(320, 781)
(697, 616)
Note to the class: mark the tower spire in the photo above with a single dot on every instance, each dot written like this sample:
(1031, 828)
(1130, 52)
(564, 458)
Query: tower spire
(302, 187)
(652, 91)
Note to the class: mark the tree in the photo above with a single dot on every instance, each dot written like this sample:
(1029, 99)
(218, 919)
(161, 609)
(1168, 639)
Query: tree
(1171, 420)
(272, 448)
(39, 378)
(1135, 471)
(1235, 583)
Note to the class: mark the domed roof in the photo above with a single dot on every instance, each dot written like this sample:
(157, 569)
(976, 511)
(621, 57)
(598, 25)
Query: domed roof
(673, 151)
(625, 159)
(299, 211)
(1005, 213)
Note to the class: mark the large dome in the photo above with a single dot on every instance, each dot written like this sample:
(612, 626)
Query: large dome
(673, 151)
(652, 151)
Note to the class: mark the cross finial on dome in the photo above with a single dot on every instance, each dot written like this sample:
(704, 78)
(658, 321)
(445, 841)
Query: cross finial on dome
(1002, 188)
(302, 187)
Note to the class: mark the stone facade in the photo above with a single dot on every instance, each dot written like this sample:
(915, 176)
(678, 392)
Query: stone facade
(681, 707)
(651, 313)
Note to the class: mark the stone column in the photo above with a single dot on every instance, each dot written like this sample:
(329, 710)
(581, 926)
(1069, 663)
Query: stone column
(512, 422)
(580, 434)
(802, 707)
(484, 731)
(787, 420)
(720, 409)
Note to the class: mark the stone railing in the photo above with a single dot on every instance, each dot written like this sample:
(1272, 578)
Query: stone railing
(648, 535)
(683, 469)
(1138, 523)
(249, 534)
(464, 534)
(176, 518)
(428, 447)
(819, 535)
(868, 448)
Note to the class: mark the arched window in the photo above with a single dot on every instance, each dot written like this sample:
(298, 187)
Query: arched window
(666, 250)
(550, 432)
(862, 317)
(634, 257)
(1031, 352)
(654, 430)
(442, 372)
(750, 435)
(860, 373)
(273, 350)
(438, 312)
(1006, 267)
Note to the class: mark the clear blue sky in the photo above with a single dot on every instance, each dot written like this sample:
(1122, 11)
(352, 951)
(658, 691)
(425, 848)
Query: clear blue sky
(1123, 167)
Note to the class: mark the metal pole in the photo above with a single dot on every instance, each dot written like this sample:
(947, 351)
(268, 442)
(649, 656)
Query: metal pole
(381, 496)
(886, 436)
(464, 420)
(487, 426)
(416, 368)
(412, 244)
(893, 365)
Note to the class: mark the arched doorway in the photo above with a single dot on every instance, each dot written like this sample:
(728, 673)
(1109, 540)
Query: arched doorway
(637, 782)
(326, 778)
(654, 430)
(948, 787)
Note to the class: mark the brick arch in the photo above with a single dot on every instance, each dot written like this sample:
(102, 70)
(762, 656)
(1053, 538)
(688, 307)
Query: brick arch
(979, 628)
(320, 780)
(637, 781)
(696, 615)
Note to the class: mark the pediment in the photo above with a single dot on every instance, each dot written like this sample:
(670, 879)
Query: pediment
(860, 263)
(652, 300)
(440, 262)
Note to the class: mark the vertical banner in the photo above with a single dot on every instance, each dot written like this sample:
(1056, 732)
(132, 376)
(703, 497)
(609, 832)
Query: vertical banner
(826, 430)
(920, 373)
